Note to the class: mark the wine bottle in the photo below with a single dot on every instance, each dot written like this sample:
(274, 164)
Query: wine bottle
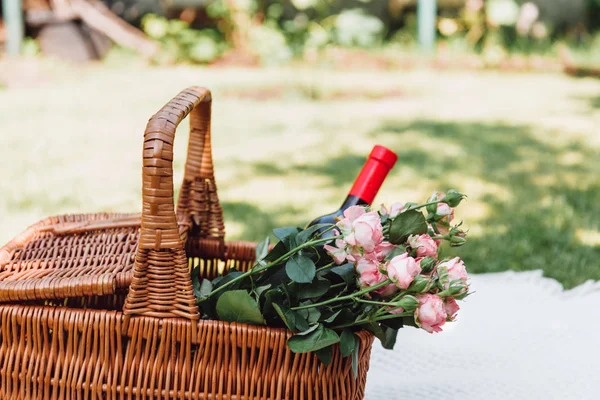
(367, 184)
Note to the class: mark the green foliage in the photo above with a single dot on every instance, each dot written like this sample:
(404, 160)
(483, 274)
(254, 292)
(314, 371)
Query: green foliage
(313, 340)
(276, 31)
(300, 269)
(354, 28)
(239, 306)
(405, 224)
(298, 285)
(180, 43)
(270, 44)
(30, 47)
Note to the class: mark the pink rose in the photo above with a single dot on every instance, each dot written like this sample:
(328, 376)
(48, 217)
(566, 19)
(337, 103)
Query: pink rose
(381, 250)
(387, 290)
(456, 269)
(402, 270)
(370, 275)
(431, 313)
(394, 210)
(338, 253)
(361, 228)
(451, 308)
(424, 245)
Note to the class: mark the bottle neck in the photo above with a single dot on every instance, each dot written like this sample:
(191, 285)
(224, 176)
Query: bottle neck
(352, 200)
(369, 180)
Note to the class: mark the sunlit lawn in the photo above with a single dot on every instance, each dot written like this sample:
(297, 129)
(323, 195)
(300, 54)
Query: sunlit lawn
(289, 142)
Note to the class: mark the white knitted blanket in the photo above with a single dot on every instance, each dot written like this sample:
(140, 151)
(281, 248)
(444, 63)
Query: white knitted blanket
(519, 336)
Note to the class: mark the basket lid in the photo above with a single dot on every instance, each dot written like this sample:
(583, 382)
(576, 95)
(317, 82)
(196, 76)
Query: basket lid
(70, 256)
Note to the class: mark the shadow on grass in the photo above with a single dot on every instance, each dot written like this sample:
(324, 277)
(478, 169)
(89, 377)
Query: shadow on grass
(539, 223)
(594, 102)
(539, 210)
(256, 222)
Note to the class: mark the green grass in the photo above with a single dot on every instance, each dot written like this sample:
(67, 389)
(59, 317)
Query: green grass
(289, 142)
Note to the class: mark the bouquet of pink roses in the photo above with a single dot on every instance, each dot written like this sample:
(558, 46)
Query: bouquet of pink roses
(374, 270)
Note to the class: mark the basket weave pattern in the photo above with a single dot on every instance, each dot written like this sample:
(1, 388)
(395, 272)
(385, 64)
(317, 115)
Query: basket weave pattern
(101, 306)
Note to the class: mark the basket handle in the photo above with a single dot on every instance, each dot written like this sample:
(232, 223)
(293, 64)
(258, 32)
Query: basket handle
(161, 286)
(199, 212)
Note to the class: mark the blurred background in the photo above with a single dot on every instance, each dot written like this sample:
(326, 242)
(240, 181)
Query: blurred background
(499, 99)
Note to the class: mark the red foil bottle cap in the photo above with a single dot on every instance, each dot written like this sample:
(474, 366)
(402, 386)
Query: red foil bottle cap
(373, 173)
(384, 155)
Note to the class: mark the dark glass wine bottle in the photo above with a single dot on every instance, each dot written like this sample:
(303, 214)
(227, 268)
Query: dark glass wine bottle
(367, 183)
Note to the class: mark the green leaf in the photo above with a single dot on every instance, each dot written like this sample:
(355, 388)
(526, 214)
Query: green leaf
(325, 355)
(290, 241)
(262, 249)
(282, 233)
(292, 319)
(239, 306)
(276, 252)
(317, 288)
(271, 297)
(394, 323)
(288, 319)
(196, 282)
(308, 330)
(346, 272)
(301, 324)
(407, 223)
(306, 234)
(261, 289)
(205, 288)
(395, 252)
(390, 338)
(333, 316)
(355, 359)
(221, 280)
(320, 338)
(347, 342)
(300, 269)
(376, 330)
(342, 316)
(313, 315)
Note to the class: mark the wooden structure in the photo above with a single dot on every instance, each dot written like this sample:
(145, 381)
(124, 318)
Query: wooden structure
(59, 33)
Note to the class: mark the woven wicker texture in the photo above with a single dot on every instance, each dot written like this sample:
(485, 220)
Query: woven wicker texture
(102, 306)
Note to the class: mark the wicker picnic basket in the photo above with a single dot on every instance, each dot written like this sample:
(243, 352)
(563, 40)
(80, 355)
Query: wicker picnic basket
(101, 306)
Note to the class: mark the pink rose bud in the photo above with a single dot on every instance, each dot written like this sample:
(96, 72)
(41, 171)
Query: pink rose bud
(456, 269)
(453, 198)
(443, 216)
(424, 245)
(402, 270)
(434, 197)
(451, 308)
(427, 264)
(421, 284)
(408, 302)
(431, 314)
(443, 209)
(394, 210)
